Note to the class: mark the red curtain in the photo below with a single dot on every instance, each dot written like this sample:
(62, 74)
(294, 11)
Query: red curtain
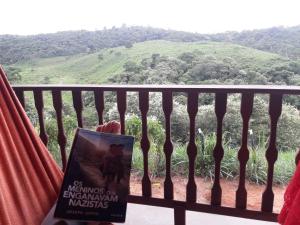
(29, 177)
(290, 213)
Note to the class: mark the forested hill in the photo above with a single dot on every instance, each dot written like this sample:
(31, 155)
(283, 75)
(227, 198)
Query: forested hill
(15, 48)
(280, 40)
(283, 41)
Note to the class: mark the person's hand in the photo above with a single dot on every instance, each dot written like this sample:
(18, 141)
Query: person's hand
(110, 127)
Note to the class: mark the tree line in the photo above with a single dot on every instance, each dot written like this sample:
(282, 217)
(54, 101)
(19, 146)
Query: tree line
(14, 48)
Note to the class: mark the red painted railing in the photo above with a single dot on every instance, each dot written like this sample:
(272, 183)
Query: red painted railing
(247, 94)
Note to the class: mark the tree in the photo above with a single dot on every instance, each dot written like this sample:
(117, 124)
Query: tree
(188, 57)
(13, 74)
(128, 45)
(46, 80)
(131, 66)
(155, 60)
(100, 56)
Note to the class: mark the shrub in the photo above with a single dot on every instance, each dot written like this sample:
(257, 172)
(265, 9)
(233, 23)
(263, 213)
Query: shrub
(156, 139)
(70, 125)
(179, 116)
(288, 125)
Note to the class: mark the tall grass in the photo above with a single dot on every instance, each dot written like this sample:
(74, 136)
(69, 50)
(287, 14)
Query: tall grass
(256, 170)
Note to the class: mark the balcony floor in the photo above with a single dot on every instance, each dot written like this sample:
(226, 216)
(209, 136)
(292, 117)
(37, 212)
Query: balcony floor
(150, 215)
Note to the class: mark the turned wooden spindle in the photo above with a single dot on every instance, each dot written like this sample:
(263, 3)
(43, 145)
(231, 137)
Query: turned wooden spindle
(61, 137)
(275, 106)
(121, 103)
(145, 144)
(77, 104)
(218, 153)
(243, 154)
(192, 108)
(20, 95)
(99, 104)
(168, 146)
(39, 105)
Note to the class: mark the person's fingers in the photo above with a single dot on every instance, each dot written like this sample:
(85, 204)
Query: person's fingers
(115, 127)
(105, 128)
(110, 127)
(100, 128)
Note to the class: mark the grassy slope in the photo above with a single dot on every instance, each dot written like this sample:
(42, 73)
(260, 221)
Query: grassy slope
(87, 68)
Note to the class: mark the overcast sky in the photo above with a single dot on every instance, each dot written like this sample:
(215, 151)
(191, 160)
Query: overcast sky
(209, 16)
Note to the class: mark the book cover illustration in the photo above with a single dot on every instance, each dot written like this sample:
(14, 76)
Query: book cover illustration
(96, 182)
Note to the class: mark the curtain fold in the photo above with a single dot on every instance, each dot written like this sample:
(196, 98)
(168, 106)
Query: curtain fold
(30, 179)
(290, 212)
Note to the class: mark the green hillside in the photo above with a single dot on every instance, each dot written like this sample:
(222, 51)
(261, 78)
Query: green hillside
(98, 67)
(284, 41)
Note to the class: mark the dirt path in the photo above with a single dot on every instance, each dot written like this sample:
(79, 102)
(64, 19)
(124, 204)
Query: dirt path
(204, 188)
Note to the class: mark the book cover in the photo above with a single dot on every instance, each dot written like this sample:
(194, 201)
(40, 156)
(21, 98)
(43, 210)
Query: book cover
(96, 181)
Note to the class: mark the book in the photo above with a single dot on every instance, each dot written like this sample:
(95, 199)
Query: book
(96, 182)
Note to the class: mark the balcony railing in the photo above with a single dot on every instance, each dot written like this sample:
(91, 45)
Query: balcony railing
(247, 93)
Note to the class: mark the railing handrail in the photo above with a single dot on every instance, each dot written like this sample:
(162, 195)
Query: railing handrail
(258, 89)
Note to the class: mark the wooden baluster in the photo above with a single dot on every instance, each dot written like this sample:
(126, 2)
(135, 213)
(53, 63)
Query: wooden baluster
(243, 155)
(20, 95)
(220, 110)
(77, 104)
(275, 106)
(99, 104)
(297, 157)
(121, 101)
(168, 146)
(192, 108)
(145, 144)
(39, 105)
(61, 137)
